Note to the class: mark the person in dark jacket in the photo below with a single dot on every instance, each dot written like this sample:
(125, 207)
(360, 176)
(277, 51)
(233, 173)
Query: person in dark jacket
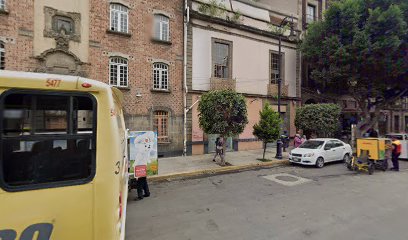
(396, 152)
(285, 140)
(142, 188)
(218, 148)
(372, 133)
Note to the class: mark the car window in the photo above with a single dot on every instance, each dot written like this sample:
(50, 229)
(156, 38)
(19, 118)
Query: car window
(312, 144)
(329, 145)
(338, 144)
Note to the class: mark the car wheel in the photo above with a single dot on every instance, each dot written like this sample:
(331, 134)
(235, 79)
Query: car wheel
(346, 159)
(371, 168)
(320, 162)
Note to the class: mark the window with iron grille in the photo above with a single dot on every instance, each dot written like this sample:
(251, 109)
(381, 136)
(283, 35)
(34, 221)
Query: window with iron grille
(2, 56)
(274, 65)
(161, 126)
(310, 13)
(119, 17)
(161, 27)
(118, 72)
(221, 58)
(3, 4)
(160, 76)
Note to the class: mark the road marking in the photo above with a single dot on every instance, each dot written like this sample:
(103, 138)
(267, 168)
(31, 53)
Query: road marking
(287, 179)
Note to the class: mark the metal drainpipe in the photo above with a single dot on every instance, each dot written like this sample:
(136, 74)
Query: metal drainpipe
(185, 92)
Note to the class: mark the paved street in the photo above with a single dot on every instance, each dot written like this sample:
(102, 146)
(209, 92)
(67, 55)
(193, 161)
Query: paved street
(329, 203)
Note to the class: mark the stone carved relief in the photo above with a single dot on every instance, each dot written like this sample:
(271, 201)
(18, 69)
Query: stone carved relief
(52, 26)
(60, 60)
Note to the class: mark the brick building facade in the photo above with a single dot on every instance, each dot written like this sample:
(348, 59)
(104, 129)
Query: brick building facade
(134, 45)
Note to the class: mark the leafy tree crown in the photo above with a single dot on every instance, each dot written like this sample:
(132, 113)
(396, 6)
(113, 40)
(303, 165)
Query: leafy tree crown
(223, 112)
(322, 119)
(268, 127)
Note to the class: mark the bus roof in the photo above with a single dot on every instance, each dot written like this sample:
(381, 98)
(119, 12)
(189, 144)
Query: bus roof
(45, 81)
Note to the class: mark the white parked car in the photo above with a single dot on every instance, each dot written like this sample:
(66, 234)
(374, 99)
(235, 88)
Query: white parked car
(320, 151)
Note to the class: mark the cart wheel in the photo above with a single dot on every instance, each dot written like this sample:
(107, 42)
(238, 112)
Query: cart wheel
(347, 161)
(371, 168)
(385, 165)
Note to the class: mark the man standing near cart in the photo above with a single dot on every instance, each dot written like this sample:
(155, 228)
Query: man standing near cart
(396, 152)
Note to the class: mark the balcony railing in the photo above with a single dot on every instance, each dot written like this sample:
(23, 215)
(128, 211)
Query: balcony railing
(222, 84)
(273, 90)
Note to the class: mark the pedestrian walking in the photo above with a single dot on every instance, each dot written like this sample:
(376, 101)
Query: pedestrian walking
(219, 149)
(142, 188)
(297, 141)
(396, 152)
(304, 139)
(285, 140)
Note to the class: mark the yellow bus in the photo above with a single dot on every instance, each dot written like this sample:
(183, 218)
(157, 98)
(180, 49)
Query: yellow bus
(63, 158)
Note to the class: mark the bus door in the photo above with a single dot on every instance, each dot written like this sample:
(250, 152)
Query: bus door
(47, 164)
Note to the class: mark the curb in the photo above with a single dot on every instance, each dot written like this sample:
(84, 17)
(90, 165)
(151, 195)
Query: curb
(216, 171)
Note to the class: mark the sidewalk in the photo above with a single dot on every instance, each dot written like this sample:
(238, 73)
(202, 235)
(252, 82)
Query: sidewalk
(191, 166)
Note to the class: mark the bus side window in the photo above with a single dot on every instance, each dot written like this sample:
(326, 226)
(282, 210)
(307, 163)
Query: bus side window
(49, 145)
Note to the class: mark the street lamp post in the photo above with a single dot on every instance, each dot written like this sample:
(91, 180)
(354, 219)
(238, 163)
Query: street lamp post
(291, 37)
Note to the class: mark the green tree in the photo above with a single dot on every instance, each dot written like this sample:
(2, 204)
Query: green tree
(268, 128)
(319, 119)
(360, 49)
(223, 112)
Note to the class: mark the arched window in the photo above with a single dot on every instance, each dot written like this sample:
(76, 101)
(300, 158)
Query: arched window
(161, 126)
(160, 76)
(118, 72)
(2, 56)
(2, 4)
(119, 17)
(161, 27)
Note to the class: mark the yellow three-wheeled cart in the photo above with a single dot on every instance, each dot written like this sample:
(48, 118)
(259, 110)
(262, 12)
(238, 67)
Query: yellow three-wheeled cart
(372, 153)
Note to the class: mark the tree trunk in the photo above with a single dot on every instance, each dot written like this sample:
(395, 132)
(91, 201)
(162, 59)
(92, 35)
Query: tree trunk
(230, 2)
(264, 151)
(370, 119)
(224, 150)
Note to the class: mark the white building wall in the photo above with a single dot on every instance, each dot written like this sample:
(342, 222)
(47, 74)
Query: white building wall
(250, 63)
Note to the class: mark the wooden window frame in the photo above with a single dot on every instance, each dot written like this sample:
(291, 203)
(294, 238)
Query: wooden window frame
(121, 11)
(163, 21)
(162, 84)
(314, 13)
(2, 55)
(3, 5)
(282, 61)
(118, 65)
(230, 47)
